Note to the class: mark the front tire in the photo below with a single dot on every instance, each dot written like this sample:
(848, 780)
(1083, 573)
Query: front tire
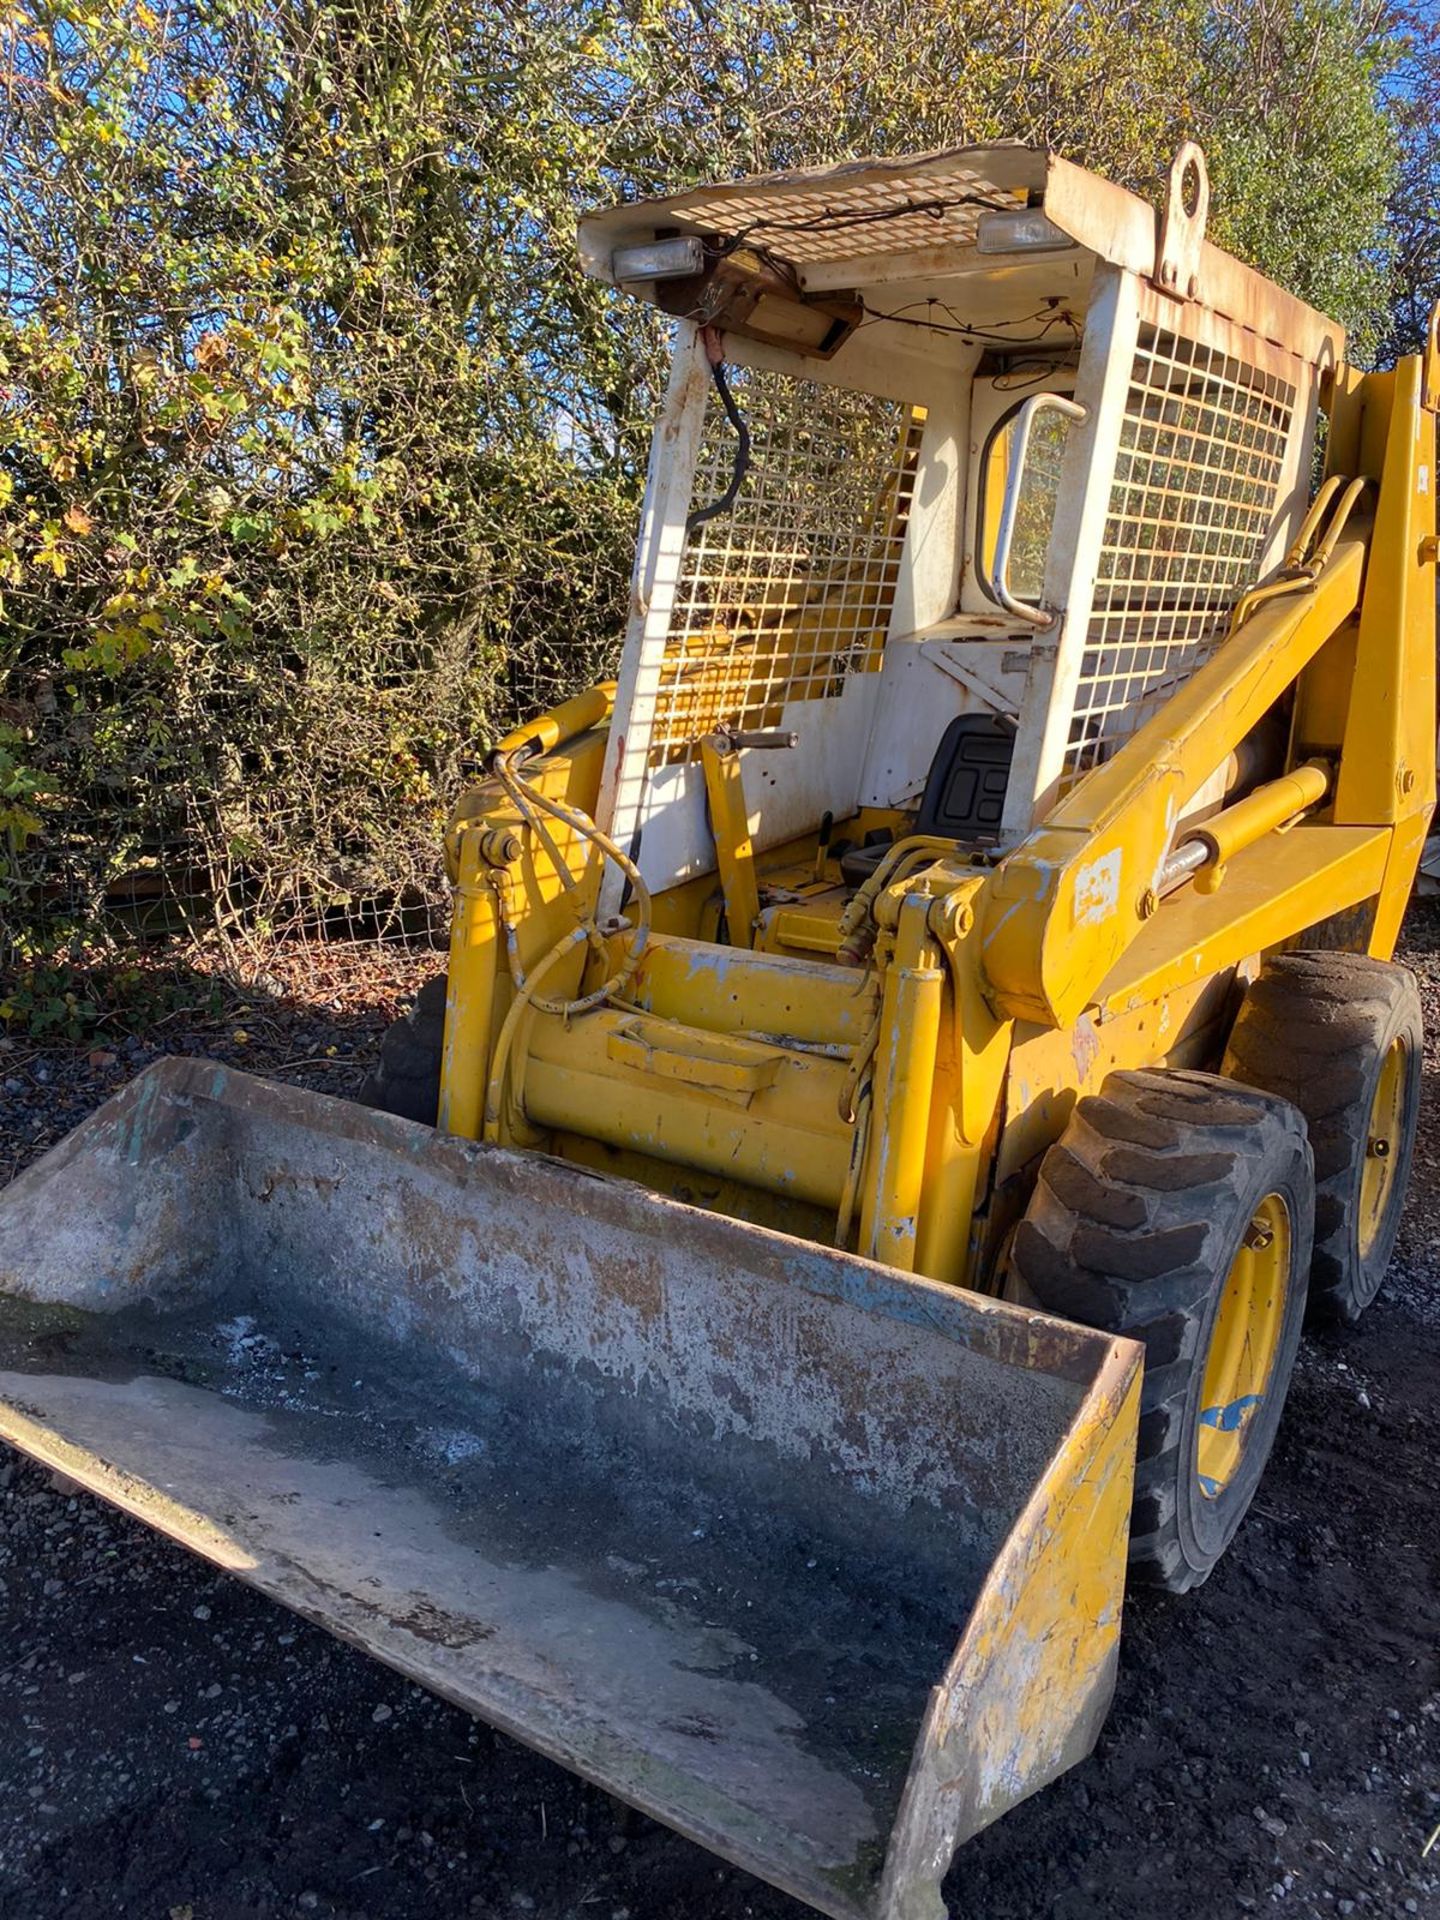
(1177, 1208)
(406, 1077)
(1340, 1035)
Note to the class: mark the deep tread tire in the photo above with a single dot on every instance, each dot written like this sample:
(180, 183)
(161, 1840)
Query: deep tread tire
(1316, 1028)
(406, 1077)
(1138, 1214)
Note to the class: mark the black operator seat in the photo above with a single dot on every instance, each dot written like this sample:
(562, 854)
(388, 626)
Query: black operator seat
(964, 797)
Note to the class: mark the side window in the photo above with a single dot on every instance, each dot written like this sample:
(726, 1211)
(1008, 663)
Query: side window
(1041, 456)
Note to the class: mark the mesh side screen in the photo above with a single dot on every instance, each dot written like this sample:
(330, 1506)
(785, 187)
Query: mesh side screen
(1193, 507)
(788, 594)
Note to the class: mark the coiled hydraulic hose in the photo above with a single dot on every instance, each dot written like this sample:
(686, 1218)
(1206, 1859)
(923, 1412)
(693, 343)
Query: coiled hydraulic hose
(531, 804)
(527, 800)
(525, 999)
(857, 923)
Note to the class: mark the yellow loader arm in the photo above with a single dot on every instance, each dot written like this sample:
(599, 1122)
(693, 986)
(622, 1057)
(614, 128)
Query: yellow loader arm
(1068, 903)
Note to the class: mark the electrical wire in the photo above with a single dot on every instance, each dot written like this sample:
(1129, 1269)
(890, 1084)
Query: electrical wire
(833, 222)
(506, 771)
(527, 998)
(1052, 316)
(742, 453)
(1030, 373)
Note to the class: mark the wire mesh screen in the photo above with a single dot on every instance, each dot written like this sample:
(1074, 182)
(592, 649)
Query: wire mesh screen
(1193, 507)
(787, 595)
(842, 219)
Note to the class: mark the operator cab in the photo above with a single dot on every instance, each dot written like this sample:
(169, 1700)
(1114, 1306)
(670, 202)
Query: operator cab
(945, 498)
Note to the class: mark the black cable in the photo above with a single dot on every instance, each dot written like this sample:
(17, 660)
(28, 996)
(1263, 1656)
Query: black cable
(988, 336)
(831, 220)
(1028, 373)
(742, 454)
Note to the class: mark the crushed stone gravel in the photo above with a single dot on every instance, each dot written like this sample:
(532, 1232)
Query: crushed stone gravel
(172, 1746)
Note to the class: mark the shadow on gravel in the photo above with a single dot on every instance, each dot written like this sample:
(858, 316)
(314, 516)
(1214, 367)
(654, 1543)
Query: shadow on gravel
(312, 1017)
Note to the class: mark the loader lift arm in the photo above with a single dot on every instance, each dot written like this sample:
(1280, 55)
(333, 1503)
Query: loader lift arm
(1068, 904)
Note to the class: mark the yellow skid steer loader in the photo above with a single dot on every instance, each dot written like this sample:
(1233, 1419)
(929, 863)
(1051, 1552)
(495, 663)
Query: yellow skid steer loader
(910, 1049)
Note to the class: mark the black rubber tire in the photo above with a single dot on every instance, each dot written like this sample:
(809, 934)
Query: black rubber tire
(1316, 1028)
(1138, 1213)
(406, 1077)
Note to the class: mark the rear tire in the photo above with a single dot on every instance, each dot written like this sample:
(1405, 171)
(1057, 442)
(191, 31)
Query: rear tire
(1340, 1035)
(405, 1079)
(1149, 1219)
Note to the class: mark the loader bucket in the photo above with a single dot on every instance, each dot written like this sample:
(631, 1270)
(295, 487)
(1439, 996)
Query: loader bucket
(819, 1563)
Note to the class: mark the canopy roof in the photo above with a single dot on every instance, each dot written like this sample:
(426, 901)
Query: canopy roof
(911, 223)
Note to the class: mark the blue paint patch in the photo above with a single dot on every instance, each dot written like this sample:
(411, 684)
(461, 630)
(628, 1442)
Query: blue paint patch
(1229, 1419)
(1210, 1488)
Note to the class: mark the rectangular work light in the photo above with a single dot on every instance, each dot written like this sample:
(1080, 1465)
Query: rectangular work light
(673, 259)
(1024, 231)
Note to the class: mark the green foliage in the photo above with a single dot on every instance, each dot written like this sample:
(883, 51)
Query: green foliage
(1302, 173)
(287, 492)
(86, 995)
(320, 458)
(1414, 212)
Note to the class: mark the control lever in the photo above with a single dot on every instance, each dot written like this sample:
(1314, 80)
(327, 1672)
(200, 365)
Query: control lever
(730, 821)
(727, 739)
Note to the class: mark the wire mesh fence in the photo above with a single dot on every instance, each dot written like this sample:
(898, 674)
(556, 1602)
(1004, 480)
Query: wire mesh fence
(261, 800)
(281, 780)
(237, 793)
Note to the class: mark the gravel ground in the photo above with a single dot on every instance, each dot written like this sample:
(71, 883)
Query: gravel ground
(172, 1746)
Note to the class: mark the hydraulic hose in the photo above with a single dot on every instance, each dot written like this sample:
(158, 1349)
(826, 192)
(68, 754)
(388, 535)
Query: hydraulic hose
(733, 414)
(528, 798)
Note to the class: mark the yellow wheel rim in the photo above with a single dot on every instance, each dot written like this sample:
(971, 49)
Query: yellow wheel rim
(1243, 1345)
(1382, 1144)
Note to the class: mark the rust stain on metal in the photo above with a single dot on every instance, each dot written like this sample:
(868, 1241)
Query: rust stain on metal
(660, 1493)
